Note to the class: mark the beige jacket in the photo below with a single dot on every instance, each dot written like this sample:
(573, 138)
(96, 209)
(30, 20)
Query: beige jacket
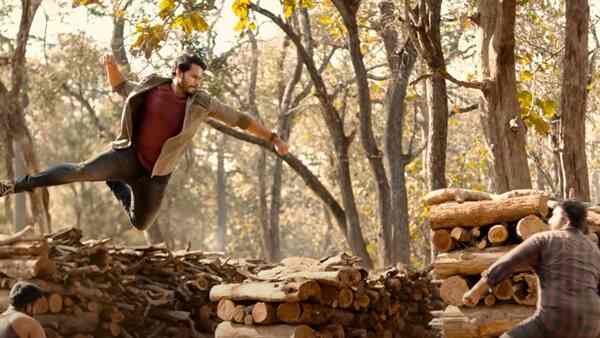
(199, 107)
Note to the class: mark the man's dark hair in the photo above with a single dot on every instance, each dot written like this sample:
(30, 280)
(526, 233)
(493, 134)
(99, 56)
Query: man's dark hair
(576, 213)
(185, 61)
(23, 293)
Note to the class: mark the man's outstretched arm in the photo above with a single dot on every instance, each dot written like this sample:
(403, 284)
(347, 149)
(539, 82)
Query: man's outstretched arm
(232, 117)
(116, 80)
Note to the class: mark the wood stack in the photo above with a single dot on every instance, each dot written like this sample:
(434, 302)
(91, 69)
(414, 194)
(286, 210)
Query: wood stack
(327, 298)
(95, 289)
(470, 231)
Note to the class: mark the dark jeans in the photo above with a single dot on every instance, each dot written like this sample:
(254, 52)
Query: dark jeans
(122, 172)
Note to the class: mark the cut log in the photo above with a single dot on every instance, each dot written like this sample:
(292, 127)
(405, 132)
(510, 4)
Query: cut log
(329, 295)
(55, 303)
(468, 262)
(239, 314)
(228, 330)
(498, 234)
(338, 278)
(489, 300)
(289, 312)
(442, 240)
(455, 195)
(264, 313)
(503, 290)
(267, 292)
(471, 214)
(32, 248)
(27, 268)
(476, 232)
(521, 193)
(453, 289)
(345, 298)
(525, 289)
(85, 322)
(9, 239)
(530, 225)
(461, 234)
(333, 331)
(476, 322)
(225, 309)
(40, 306)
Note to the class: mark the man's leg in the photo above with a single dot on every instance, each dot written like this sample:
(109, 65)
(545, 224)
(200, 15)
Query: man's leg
(109, 165)
(148, 193)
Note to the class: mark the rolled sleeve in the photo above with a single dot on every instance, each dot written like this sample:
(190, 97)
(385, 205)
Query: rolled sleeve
(124, 88)
(228, 115)
(525, 254)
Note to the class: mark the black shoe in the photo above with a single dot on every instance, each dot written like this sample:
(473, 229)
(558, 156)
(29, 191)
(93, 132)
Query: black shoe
(6, 188)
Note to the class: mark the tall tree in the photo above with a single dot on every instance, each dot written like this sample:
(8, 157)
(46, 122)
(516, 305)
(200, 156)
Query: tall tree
(504, 129)
(18, 130)
(573, 100)
(426, 36)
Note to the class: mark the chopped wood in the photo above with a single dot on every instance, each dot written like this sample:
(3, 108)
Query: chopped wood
(461, 234)
(503, 290)
(229, 329)
(530, 225)
(267, 292)
(453, 194)
(498, 234)
(264, 313)
(471, 214)
(442, 240)
(525, 289)
(453, 289)
(469, 261)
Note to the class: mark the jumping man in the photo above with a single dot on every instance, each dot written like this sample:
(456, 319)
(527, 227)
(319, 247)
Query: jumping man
(159, 119)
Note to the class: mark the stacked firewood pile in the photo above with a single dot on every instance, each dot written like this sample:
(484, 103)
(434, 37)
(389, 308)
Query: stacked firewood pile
(98, 290)
(470, 231)
(328, 298)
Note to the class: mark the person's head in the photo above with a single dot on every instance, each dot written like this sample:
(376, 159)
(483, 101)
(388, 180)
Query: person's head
(187, 73)
(23, 294)
(569, 213)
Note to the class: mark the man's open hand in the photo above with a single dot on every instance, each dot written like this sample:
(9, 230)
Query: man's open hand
(107, 59)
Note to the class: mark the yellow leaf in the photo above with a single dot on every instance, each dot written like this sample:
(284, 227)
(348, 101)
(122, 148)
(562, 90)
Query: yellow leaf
(288, 7)
(307, 3)
(252, 26)
(241, 24)
(165, 8)
(524, 60)
(525, 76)
(198, 22)
(525, 98)
(325, 20)
(548, 108)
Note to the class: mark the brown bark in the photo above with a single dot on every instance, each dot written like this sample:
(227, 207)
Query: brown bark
(471, 214)
(480, 321)
(221, 196)
(441, 196)
(228, 329)
(266, 292)
(427, 39)
(504, 130)
(394, 243)
(468, 261)
(573, 100)
(18, 130)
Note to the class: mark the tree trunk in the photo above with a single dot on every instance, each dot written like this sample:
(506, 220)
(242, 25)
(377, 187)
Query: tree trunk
(221, 196)
(367, 137)
(573, 101)
(340, 142)
(20, 208)
(504, 129)
(17, 125)
(428, 33)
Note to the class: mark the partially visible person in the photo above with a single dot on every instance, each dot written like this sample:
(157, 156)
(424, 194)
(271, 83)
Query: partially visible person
(15, 322)
(567, 264)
